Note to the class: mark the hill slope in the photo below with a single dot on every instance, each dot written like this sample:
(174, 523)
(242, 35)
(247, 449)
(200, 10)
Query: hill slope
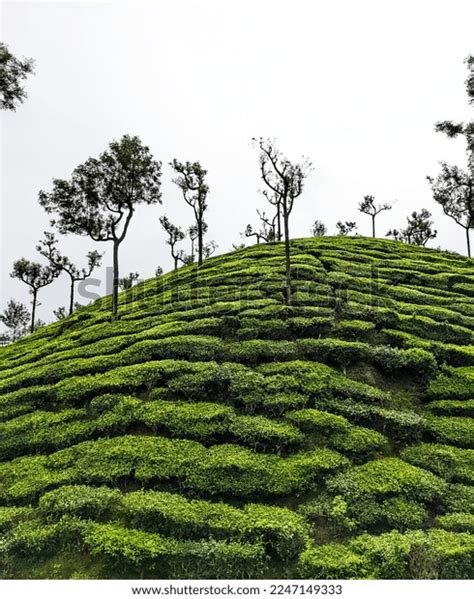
(214, 432)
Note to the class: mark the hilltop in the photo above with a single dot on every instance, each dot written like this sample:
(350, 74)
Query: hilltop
(212, 431)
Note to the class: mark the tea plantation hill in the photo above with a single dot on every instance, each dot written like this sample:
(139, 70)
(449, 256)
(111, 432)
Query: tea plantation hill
(213, 432)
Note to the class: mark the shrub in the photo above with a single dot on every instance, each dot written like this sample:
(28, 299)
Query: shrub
(152, 553)
(453, 383)
(81, 501)
(263, 433)
(332, 561)
(321, 423)
(453, 430)
(456, 521)
(387, 476)
(11, 516)
(459, 498)
(358, 440)
(203, 422)
(403, 514)
(453, 407)
(282, 531)
(399, 424)
(452, 463)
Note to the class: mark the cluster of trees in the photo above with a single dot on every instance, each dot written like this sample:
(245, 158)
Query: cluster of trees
(452, 188)
(102, 194)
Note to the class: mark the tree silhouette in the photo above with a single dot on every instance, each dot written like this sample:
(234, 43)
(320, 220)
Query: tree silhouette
(318, 229)
(102, 195)
(35, 276)
(191, 180)
(15, 317)
(128, 281)
(175, 235)
(466, 130)
(368, 206)
(419, 229)
(13, 72)
(285, 180)
(453, 189)
(346, 228)
(267, 232)
(48, 247)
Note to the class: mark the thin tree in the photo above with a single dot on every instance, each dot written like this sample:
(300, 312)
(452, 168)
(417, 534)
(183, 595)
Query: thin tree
(275, 200)
(419, 229)
(368, 206)
(466, 130)
(36, 277)
(13, 71)
(346, 228)
(48, 247)
(453, 189)
(267, 231)
(175, 235)
(191, 180)
(193, 235)
(318, 229)
(15, 317)
(102, 195)
(285, 179)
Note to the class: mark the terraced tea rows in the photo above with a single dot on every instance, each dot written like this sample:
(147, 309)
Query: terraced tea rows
(213, 431)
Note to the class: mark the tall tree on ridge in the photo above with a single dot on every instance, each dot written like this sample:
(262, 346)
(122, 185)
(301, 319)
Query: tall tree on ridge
(191, 180)
(48, 247)
(453, 189)
(12, 73)
(368, 206)
(35, 276)
(101, 197)
(286, 180)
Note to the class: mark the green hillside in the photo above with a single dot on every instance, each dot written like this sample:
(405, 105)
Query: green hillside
(213, 431)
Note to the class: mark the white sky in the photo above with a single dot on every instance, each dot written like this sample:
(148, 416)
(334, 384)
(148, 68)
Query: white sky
(356, 86)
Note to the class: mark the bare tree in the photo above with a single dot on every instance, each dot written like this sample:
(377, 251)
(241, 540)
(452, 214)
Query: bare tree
(368, 206)
(48, 247)
(175, 235)
(267, 231)
(191, 181)
(285, 180)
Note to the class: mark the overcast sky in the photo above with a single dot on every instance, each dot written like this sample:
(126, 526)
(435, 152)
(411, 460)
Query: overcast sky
(355, 86)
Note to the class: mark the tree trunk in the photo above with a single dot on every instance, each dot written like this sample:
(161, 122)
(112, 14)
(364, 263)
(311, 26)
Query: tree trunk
(33, 310)
(278, 222)
(468, 241)
(71, 297)
(287, 255)
(115, 279)
(200, 236)
(373, 226)
(176, 262)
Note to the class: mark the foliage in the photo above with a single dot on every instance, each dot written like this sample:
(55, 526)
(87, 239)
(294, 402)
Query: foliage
(13, 71)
